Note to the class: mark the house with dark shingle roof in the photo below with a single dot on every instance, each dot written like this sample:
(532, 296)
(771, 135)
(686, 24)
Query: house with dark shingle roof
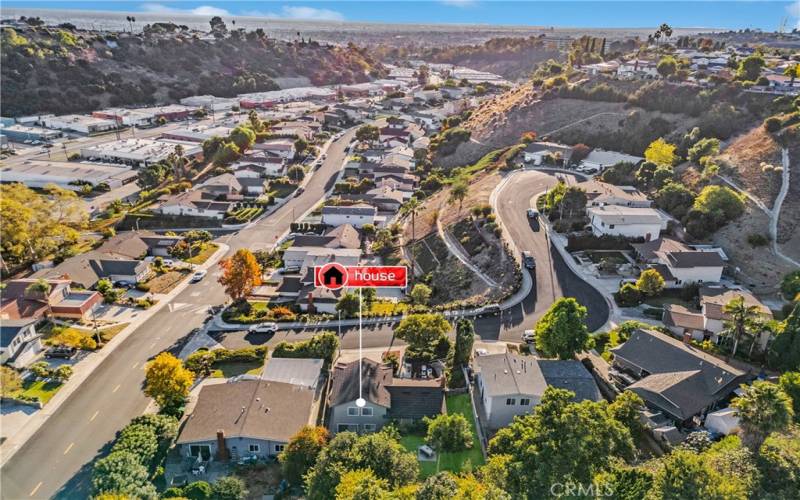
(512, 385)
(709, 322)
(674, 377)
(680, 264)
(387, 397)
(20, 343)
(245, 418)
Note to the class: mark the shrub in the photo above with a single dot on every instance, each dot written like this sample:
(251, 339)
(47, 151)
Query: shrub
(758, 239)
(322, 346)
(449, 432)
(772, 124)
(198, 490)
(628, 295)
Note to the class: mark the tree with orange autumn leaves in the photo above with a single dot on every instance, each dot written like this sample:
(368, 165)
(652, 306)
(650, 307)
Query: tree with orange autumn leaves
(240, 274)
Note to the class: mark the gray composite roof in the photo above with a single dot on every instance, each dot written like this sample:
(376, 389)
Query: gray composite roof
(256, 409)
(302, 372)
(374, 379)
(351, 210)
(694, 258)
(11, 327)
(681, 379)
(508, 374)
(648, 249)
(570, 375)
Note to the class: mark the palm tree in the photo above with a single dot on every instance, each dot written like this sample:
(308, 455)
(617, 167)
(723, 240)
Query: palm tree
(741, 318)
(762, 409)
(411, 207)
(458, 191)
(130, 20)
(666, 29)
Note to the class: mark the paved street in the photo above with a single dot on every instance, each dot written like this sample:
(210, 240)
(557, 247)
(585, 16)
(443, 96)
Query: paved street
(554, 279)
(56, 460)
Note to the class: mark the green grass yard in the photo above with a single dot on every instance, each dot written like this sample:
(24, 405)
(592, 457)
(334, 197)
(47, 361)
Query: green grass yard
(42, 390)
(453, 462)
(228, 369)
(208, 251)
(281, 190)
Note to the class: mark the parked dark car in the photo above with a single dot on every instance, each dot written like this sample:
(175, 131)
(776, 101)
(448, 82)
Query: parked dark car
(528, 260)
(61, 352)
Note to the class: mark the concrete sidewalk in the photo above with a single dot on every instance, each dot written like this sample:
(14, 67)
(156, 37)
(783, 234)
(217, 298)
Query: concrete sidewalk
(85, 368)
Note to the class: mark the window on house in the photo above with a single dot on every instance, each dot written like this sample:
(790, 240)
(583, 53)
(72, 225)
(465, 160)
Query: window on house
(254, 448)
(611, 226)
(369, 427)
(200, 450)
(366, 412)
(352, 411)
(511, 401)
(525, 402)
(278, 448)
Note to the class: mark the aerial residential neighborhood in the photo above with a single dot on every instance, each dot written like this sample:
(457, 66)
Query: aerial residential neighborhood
(395, 250)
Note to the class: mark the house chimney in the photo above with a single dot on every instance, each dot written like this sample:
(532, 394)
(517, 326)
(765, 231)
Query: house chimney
(311, 308)
(222, 450)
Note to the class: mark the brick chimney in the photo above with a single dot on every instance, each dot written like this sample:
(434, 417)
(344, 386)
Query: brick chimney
(311, 308)
(222, 450)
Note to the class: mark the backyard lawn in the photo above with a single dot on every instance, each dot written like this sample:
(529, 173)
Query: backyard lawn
(208, 251)
(42, 390)
(454, 462)
(228, 369)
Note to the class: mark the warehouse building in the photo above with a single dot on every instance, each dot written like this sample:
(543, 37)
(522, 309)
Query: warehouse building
(139, 152)
(68, 175)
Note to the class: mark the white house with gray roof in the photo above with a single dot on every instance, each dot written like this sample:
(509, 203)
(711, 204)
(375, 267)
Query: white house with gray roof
(511, 385)
(355, 215)
(630, 222)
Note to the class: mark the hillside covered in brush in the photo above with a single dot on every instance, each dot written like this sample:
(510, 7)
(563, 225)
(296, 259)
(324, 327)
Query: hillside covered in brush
(64, 70)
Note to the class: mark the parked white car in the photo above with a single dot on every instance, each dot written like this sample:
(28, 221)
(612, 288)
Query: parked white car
(199, 275)
(263, 328)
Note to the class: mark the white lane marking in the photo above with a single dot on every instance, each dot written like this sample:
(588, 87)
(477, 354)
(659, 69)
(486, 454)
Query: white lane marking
(69, 448)
(35, 489)
(116, 388)
(94, 416)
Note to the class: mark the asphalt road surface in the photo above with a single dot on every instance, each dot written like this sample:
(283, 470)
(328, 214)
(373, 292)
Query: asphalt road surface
(554, 279)
(56, 461)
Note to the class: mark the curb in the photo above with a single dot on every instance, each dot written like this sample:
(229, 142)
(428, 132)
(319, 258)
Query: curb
(92, 361)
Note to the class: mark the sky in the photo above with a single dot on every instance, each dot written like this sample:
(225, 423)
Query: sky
(762, 14)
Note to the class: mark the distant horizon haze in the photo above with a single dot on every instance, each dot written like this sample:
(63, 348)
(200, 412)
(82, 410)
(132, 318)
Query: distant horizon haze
(625, 16)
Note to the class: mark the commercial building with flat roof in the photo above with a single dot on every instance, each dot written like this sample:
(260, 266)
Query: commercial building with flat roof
(82, 124)
(68, 175)
(22, 133)
(139, 152)
(210, 102)
(271, 98)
